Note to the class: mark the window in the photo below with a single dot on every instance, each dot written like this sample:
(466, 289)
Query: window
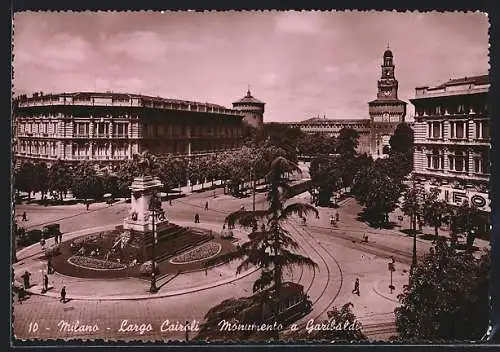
(438, 110)
(482, 164)
(461, 108)
(120, 129)
(458, 162)
(435, 160)
(458, 129)
(482, 129)
(435, 129)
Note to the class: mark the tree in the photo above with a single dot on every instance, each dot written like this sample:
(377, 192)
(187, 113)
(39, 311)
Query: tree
(269, 244)
(378, 192)
(435, 211)
(347, 142)
(412, 206)
(24, 178)
(316, 144)
(342, 325)
(60, 178)
(467, 219)
(401, 153)
(402, 139)
(447, 298)
(42, 179)
(85, 183)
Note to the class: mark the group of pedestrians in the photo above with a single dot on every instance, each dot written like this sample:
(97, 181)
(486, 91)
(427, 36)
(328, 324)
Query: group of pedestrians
(45, 286)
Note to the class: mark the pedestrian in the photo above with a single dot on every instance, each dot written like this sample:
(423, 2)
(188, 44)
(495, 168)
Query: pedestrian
(303, 221)
(42, 243)
(356, 287)
(49, 266)
(170, 202)
(88, 205)
(206, 205)
(63, 295)
(21, 294)
(60, 237)
(337, 216)
(45, 283)
(332, 220)
(25, 218)
(26, 279)
(196, 218)
(242, 208)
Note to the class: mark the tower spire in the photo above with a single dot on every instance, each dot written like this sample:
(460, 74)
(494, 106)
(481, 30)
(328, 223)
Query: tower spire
(248, 91)
(388, 46)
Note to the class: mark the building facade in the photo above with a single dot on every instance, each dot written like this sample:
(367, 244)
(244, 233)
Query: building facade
(252, 109)
(452, 140)
(332, 128)
(385, 113)
(115, 126)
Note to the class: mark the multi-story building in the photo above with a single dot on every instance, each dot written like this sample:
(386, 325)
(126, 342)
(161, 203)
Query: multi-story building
(252, 109)
(115, 126)
(452, 140)
(385, 113)
(332, 128)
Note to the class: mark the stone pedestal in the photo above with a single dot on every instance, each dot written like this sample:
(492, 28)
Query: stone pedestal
(139, 218)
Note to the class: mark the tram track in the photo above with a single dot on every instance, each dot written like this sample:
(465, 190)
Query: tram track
(303, 232)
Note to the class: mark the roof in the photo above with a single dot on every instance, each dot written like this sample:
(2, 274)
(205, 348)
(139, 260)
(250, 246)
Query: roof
(387, 101)
(249, 99)
(117, 96)
(319, 120)
(476, 80)
(388, 53)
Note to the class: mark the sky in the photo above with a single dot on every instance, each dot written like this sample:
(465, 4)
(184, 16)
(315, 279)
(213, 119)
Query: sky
(301, 64)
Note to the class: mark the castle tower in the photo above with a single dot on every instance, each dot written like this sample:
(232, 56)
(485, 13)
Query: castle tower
(252, 108)
(387, 111)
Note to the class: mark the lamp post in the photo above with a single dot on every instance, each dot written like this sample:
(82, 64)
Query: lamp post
(391, 270)
(153, 204)
(253, 187)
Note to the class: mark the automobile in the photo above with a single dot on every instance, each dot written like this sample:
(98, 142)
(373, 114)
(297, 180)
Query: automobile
(51, 230)
(28, 238)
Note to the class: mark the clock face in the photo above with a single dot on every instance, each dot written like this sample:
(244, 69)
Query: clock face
(387, 93)
(385, 116)
(387, 73)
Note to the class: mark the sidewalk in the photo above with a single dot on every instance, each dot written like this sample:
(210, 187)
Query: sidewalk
(123, 289)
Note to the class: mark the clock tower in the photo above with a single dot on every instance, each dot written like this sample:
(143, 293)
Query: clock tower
(387, 111)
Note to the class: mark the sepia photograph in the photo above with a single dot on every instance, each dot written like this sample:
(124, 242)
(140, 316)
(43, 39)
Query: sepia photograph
(244, 176)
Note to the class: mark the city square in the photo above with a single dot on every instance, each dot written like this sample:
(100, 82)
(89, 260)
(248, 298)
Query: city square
(140, 217)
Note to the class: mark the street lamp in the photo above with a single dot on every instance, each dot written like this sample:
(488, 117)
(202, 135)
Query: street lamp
(154, 204)
(391, 270)
(252, 170)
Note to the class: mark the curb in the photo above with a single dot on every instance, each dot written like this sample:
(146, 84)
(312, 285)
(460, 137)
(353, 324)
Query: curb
(149, 295)
(383, 295)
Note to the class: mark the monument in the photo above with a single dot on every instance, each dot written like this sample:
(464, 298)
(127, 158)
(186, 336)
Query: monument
(144, 190)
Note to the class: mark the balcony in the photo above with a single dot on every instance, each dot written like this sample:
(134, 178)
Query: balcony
(81, 135)
(120, 135)
(101, 135)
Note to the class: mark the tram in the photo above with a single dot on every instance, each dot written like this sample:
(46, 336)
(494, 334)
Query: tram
(293, 303)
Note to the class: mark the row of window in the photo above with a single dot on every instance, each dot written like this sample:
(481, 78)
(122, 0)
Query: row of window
(458, 162)
(458, 129)
(38, 148)
(452, 109)
(162, 130)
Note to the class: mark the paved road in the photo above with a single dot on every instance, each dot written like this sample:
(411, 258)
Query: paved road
(339, 255)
